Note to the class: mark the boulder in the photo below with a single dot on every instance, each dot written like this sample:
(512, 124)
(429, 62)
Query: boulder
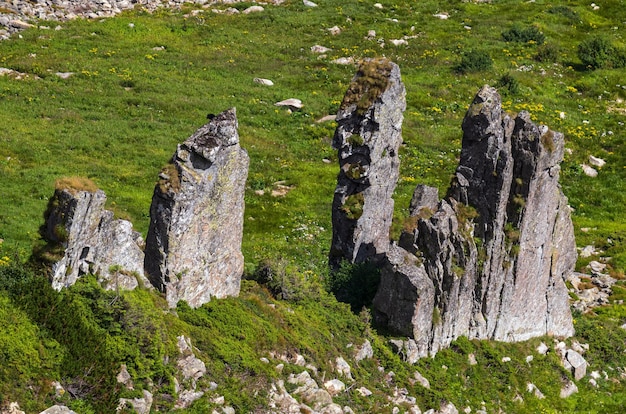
(494, 253)
(193, 247)
(90, 239)
(138, 405)
(367, 139)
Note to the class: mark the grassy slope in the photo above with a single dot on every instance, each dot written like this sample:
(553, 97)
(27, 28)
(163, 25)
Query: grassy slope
(120, 117)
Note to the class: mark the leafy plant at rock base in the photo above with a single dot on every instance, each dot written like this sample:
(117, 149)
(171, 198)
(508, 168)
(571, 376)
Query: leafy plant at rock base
(355, 284)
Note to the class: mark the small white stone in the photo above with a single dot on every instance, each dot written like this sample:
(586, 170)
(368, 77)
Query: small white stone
(320, 49)
(399, 42)
(343, 61)
(529, 359)
(596, 162)
(364, 392)
(506, 359)
(442, 16)
(542, 349)
(378, 5)
(308, 3)
(335, 30)
(589, 171)
(262, 81)
(253, 9)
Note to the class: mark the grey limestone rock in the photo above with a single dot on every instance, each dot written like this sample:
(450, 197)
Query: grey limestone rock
(193, 247)
(367, 138)
(92, 241)
(495, 252)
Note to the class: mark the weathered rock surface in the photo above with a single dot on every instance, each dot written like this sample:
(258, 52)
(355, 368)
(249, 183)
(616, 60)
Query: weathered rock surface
(367, 138)
(496, 250)
(193, 247)
(138, 405)
(92, 240)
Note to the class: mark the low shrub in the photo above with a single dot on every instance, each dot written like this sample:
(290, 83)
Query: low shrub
(547, 53)
(598, 52)
(529, 34)
(508, 84)
(474, 61)
(355, 284)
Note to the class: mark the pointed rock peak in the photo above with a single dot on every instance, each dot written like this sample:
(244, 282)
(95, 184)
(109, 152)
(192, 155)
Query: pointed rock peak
(483, 117)
(220, 131)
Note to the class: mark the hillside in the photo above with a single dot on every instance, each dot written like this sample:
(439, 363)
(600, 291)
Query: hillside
(109, 99)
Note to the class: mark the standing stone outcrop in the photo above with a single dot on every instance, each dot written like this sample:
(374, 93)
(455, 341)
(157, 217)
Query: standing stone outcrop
(193, 247)
(88, 239)
(495, 252)
(367, 138)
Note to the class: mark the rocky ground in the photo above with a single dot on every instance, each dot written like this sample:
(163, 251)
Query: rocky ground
(18, 15)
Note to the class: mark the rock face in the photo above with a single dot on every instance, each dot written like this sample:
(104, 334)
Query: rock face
(193, 247)
(92, 241)
(495, 251)
(367, 138)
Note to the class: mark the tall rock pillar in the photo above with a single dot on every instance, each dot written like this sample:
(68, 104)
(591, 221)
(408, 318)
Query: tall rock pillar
(193, 247)
(367, 139)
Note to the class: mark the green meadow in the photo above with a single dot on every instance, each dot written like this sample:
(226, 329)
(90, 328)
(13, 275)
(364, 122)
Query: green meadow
(144, 82)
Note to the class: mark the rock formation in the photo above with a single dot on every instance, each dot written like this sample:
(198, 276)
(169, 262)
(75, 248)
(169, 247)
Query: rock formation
(489, 260)
(193, 247)
(90, 239)
(367, 138)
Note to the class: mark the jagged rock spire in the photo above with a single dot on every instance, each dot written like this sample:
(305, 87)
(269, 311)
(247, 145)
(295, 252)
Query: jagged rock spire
(495, 252)
(193, 247)
(367, 138)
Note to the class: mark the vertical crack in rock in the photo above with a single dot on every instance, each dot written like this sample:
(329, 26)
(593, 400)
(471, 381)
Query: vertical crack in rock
(84, 238)
(490, 259)
(367, 139)
(193, 247)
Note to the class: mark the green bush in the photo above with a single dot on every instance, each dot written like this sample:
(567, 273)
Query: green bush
(524, 35)
(598, 52)
(355, 284)
(509, 84)
(547, 53)
(474, 61)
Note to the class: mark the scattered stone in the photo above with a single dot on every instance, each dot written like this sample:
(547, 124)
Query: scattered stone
(596, 162)
(578, 364)
(442, 16)
(253, 9)
(343, 368)
(596, 266)
(12, 408)
(471, 358)
(423, 381)
(262, 81)
(589, 171)
(264, 360)
(448, 408)
(378, 6)
(587, 251)
(529, 359)
(364, 352)
(124, 377)
(204, 189)
(343, 61)
(158, 48)
(335, 30)
(190, 366)
(292, 104)
(364, 391)
(334, 386)
(60, 409)
(139, 405)
(532, 388)
(506, 359)
(320, 49)
(187, 397)
(326, 118)
(64, 75)
(309, 3)
(398, 42)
